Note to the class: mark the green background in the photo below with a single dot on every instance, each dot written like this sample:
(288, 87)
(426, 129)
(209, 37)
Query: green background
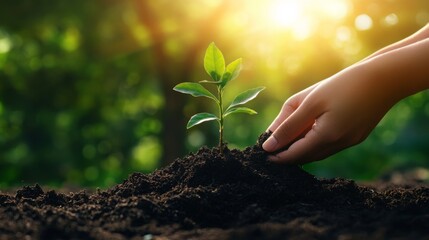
(86, 86)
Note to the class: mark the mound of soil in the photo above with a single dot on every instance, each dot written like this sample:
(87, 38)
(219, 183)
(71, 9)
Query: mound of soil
(206, 195)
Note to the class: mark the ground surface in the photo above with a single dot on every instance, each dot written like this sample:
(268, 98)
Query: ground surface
(206, 196)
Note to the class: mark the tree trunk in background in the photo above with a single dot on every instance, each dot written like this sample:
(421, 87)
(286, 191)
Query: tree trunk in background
(173, 125)
(173, 122)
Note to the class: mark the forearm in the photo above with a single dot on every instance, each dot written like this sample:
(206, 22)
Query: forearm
(403, 71)
(420, 35)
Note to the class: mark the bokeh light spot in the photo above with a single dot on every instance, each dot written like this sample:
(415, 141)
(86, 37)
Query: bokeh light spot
(5, 45)
(391, 19)
(89, 151)
(147, 153)
(343, 34)
(422, 18)
(363, 22)
(71, 39)
(91, 173)
(196, 138)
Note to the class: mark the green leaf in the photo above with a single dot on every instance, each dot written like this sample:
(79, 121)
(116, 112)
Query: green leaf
(214, 63)
(194, 89)
(200, 118)
(245, 97)
(232, 71)
(239, 110)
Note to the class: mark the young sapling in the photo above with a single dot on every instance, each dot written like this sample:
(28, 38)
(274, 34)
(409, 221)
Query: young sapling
(214, 64)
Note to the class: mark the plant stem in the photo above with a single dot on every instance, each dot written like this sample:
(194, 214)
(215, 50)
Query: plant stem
(220, 93)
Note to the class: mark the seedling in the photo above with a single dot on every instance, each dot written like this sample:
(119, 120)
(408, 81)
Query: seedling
(214, 64)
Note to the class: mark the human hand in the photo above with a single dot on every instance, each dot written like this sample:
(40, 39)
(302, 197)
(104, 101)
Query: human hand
(329, 116)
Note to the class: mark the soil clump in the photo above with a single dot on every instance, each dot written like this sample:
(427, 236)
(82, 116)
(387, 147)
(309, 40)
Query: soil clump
(207, 195)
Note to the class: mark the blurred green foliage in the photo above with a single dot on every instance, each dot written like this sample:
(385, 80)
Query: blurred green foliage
(86, 86)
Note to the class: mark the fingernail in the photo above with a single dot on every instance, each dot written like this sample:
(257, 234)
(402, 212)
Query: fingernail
(270, 145)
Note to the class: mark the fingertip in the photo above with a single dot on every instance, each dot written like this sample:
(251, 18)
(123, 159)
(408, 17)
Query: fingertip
(270, 145)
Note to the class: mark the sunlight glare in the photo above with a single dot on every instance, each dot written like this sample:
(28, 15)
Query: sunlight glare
(285, 13)
(336, 9)
(302, 17)
(303, 29)
(291, 15)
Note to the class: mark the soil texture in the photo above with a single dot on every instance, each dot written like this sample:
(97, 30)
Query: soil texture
(206, 195)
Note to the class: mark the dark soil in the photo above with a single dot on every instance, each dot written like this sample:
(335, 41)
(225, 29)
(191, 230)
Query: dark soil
(207, 196)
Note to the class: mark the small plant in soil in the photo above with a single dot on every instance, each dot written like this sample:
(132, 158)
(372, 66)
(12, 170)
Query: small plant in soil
(214, 64)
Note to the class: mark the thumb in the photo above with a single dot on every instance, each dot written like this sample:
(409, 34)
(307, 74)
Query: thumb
(294, 126)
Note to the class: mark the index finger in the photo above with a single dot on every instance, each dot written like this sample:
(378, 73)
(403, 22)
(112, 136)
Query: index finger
(316, 145)
(289, 107)
(284, 113)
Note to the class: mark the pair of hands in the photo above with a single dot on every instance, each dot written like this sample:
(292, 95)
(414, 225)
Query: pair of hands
(329, 116)
(342, 110)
